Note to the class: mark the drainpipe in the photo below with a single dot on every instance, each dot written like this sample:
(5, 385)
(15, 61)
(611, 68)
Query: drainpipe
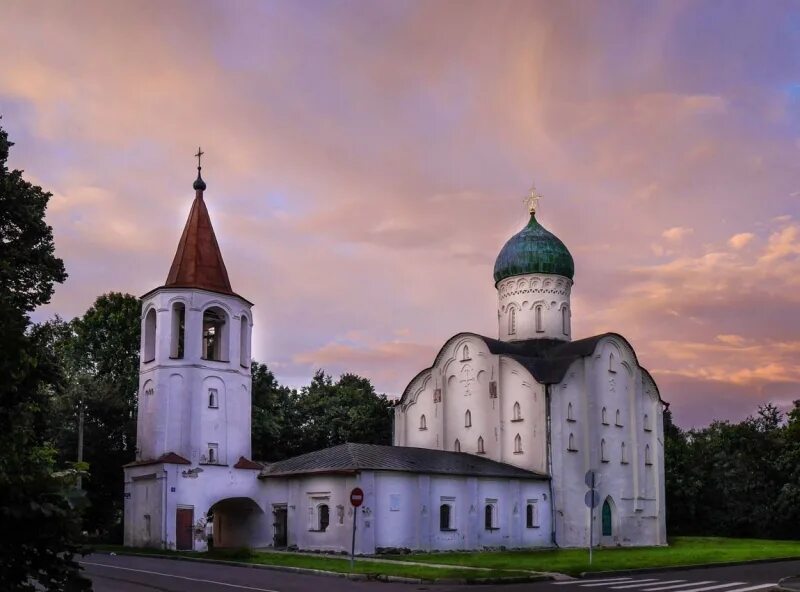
(547, 400)
(166, 511)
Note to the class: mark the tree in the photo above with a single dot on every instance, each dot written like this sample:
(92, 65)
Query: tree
(38, 504)
(275, 417)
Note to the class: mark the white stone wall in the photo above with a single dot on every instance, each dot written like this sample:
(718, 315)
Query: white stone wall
(401, 510)
(533, 296)
(158, 490)
(467, 377)
(174, 412)
(610, 379)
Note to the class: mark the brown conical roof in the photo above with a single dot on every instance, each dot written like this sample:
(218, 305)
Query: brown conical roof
(198, 261)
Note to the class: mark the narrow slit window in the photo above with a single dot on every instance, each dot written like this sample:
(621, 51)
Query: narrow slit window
(603, 451)
(538, 317)
(213, 399)
(481, 449)
(623, 456)
(457, 446)
(531, 515)
(512, 321)
(518, 444)
(647, 459)
(618, 419)
(517, 412)
(468, 419)
(604, 416)
(423, 423)
(571, 443)
(570, 416)
(565, 320)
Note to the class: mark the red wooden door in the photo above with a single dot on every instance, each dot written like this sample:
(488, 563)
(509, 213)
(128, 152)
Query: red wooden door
(184, 519)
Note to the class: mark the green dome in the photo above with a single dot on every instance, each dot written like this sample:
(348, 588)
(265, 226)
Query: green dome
(533, 250)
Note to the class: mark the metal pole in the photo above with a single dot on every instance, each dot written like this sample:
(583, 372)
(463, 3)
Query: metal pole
(353, 544)
(591, 521)
(80, 440)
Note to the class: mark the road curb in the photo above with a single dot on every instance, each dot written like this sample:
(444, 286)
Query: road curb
(349, 576)
(646, 570)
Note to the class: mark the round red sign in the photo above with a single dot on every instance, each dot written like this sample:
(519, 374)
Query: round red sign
(356, 497)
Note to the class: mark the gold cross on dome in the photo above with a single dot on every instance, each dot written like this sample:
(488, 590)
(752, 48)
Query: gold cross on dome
(532, 201)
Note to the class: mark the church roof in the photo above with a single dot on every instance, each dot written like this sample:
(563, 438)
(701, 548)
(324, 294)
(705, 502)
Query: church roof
(534, 249)
(349, 458)
(198, 261)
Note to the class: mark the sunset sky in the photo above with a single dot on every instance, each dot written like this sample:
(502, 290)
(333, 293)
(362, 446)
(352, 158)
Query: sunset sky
(366, 161)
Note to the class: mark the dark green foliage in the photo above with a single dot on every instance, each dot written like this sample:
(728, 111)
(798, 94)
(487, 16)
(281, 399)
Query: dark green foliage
(323, 414)
(39, 507)
(740, 480)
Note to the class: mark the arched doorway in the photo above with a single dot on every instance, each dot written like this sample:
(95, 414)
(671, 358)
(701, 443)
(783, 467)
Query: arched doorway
(236, 522)
(608, 528)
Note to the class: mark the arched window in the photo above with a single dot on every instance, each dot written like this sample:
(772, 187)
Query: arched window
(323, 517)
(531, 515)
(611, 362)
(244, 343)
(517, 412)
(457, 446)
(647, 459)
(570, 416)
(623, 456)
(213, 399)
(445, 517)
(647, 427)
(565, 320)
(215, 334)
(213, 453)
(518, 444)
(571, 444)
(150, 336)
(603, 451)
(481, 449)
(618, 419)
(538, 317)
(465, 353)
(604, 416)
(468, 419)
(490, 516)
(178, 330)
(423, 423)
(512, 320)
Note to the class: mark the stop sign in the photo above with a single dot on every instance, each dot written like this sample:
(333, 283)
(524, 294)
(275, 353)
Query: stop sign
(356, 497)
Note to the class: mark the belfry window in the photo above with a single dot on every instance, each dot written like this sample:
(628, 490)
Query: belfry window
(481, 449)
(512, 320)
(150, 336)
(423, 423)
(215, 333)
(538, 317)
(244, 343)
(468, 419)
(518, 444)
(176, 350)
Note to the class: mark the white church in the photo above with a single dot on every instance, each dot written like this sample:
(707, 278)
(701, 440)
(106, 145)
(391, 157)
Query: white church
(491, 443)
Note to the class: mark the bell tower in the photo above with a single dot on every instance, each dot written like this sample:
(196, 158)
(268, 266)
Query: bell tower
(194, 374)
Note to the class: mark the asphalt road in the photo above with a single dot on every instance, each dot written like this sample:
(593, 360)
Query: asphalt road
(122, 573)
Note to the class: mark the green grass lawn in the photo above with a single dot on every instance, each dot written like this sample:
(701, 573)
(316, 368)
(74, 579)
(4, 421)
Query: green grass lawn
(327, 563)
(681, 551)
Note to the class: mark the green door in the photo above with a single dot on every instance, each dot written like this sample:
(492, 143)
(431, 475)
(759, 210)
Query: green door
(606, 518)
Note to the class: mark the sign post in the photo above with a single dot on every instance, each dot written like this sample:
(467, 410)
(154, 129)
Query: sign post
(592, 500)
(356, 499)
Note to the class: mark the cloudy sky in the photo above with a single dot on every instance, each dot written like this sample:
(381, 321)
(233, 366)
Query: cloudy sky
(366, 161)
